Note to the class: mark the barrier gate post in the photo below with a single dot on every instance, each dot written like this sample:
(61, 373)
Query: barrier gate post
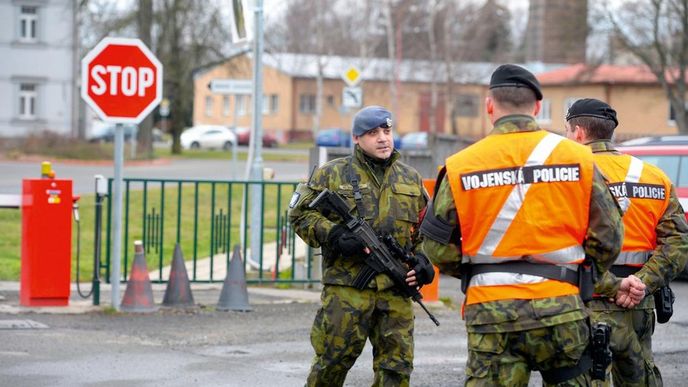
(46, 253)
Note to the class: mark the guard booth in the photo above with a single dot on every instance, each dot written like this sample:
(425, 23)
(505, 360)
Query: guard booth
(46, 252)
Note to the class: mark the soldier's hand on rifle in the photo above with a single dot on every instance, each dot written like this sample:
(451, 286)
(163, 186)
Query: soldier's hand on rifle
(422, 272)
(347, 243)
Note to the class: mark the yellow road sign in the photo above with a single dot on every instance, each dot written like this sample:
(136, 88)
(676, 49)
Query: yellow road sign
(352, 75)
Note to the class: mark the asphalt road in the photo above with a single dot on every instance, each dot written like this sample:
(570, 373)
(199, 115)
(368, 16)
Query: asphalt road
(82, 174)
(266, 347)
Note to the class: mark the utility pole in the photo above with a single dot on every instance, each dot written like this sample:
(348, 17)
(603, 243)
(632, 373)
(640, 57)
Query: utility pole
(256, 172)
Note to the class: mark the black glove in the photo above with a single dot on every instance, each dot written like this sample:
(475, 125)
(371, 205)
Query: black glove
(345, 242)
(425, 272)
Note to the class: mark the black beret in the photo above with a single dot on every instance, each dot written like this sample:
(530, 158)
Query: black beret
(590, 107)
(510, 75)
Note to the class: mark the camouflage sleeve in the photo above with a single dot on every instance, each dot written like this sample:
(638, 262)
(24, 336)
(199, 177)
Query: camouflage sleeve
(446, 257)
(604, 237)
(669, 257)
(310, 224)
(416, 236)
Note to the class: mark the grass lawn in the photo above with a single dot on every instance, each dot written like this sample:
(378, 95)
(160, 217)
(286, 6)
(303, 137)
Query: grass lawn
(205, 218)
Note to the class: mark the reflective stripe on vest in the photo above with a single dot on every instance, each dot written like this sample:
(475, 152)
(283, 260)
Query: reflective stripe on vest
(632, 257)
(634, 170)
(503, 220)
(561, 256)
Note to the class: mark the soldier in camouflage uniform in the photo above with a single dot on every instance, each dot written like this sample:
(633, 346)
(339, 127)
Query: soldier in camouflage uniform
(656, 226)
(511, 336)
(392, 196)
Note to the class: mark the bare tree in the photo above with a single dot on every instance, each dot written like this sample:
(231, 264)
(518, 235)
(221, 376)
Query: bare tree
(144, 22)
(656, 32)
(184, 35)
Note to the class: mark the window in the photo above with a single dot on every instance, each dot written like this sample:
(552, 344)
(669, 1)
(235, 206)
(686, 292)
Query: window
(242, 102)
(209, 106)
(28, 20)
(266, 104)
(330, 100)
(668, 164)
(466, 105)
(225, 105)
(274, 103)
(27, 101)
(307, 103)
(545, 114)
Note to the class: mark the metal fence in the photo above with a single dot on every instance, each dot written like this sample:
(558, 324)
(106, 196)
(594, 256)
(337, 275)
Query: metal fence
(207, 218)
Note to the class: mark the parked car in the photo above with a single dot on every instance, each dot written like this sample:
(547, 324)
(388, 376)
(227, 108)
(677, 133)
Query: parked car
(244, 136)
(673, 160)
(415, 140)
(208, 137)
(105, 132)
(333, 137)
(657, 140)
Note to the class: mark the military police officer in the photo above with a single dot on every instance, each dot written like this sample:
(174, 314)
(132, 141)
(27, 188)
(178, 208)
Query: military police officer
(389, 195)
(655, 245)
(515, 215)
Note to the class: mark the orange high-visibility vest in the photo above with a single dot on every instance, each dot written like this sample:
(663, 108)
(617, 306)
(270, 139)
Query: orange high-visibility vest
(521, 196)
(647, 188)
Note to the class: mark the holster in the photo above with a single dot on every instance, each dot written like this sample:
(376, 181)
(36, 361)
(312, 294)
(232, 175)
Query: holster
(664, 303)
(587, 276)
(600, 336)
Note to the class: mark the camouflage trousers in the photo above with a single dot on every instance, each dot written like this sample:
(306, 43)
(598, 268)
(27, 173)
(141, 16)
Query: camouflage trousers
(631, 345)
(347, 318)
(507, 358)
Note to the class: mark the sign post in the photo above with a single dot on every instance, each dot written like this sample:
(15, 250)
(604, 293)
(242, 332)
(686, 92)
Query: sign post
(121, 80)
(352, 94)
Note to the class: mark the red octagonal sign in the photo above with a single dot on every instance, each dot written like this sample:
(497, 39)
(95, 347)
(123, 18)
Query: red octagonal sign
(121, 80)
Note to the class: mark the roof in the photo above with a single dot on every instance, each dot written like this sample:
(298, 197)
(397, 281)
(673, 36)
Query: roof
(383, 69)
(605, 74)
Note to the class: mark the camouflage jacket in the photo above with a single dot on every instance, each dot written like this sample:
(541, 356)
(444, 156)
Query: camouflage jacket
(390, 205)
(668, 258)
(602, 243)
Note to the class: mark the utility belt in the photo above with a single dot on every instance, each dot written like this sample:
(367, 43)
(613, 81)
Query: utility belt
(584, 278)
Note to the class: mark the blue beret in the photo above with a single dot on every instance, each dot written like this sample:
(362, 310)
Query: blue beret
(369, 118)
(590, 107)
(510, 75)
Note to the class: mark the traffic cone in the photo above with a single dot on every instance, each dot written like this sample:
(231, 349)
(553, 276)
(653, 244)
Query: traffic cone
(139, 294)
(178, 291)
(234, 295)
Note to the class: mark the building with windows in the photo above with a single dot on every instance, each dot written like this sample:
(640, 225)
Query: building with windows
(38, 67)
(633, 91)
(291, 85)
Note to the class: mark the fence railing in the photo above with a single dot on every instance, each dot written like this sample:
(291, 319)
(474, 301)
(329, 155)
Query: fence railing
(207, 218)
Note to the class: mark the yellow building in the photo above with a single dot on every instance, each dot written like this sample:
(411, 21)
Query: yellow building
(633, 91)
(290, 89)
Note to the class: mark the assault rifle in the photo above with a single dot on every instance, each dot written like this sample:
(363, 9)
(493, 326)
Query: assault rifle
(381, 259)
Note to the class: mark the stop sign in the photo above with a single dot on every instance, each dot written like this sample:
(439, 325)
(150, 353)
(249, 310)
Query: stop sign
(121, 80)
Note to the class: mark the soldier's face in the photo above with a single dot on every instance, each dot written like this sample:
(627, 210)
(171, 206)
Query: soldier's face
(377, 143)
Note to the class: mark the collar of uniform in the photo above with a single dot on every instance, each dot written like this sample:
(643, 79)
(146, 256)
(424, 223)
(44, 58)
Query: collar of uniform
(515, 123)
(360, 156)
(598, 146)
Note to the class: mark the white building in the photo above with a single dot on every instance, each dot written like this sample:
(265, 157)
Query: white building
(37, 67)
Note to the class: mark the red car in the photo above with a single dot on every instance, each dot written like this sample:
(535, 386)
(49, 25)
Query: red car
(244, 136)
